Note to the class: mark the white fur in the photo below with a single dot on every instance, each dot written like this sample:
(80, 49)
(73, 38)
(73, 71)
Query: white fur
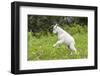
(64, 37)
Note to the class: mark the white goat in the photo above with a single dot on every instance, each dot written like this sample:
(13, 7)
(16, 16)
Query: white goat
(64, 37)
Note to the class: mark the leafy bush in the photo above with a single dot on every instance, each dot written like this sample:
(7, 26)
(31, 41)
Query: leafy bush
(43, 23)
(75, 28)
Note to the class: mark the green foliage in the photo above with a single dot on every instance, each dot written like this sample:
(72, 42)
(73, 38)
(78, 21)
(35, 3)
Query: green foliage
(40, 23)
(75, 28)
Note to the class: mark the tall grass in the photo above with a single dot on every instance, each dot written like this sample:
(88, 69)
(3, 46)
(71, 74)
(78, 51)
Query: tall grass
(40, 47)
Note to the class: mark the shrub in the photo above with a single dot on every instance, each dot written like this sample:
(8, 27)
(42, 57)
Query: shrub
(75, 28)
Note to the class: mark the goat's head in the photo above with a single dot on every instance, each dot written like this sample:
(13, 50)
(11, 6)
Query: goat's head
(55, 28)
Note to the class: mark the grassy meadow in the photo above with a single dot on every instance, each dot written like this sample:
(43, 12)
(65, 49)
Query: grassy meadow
(40, 46)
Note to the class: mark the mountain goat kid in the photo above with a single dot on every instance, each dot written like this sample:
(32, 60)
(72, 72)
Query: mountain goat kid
(64, 37)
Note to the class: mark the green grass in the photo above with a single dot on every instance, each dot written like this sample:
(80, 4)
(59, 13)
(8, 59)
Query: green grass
(41, 48)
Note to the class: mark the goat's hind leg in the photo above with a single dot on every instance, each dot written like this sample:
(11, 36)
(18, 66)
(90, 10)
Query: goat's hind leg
(72, 47)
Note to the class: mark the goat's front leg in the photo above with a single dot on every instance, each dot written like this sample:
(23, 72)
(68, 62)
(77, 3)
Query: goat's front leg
(58, 43)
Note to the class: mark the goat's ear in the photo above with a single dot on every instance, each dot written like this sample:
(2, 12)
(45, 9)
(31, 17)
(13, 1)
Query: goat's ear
(56, 25)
